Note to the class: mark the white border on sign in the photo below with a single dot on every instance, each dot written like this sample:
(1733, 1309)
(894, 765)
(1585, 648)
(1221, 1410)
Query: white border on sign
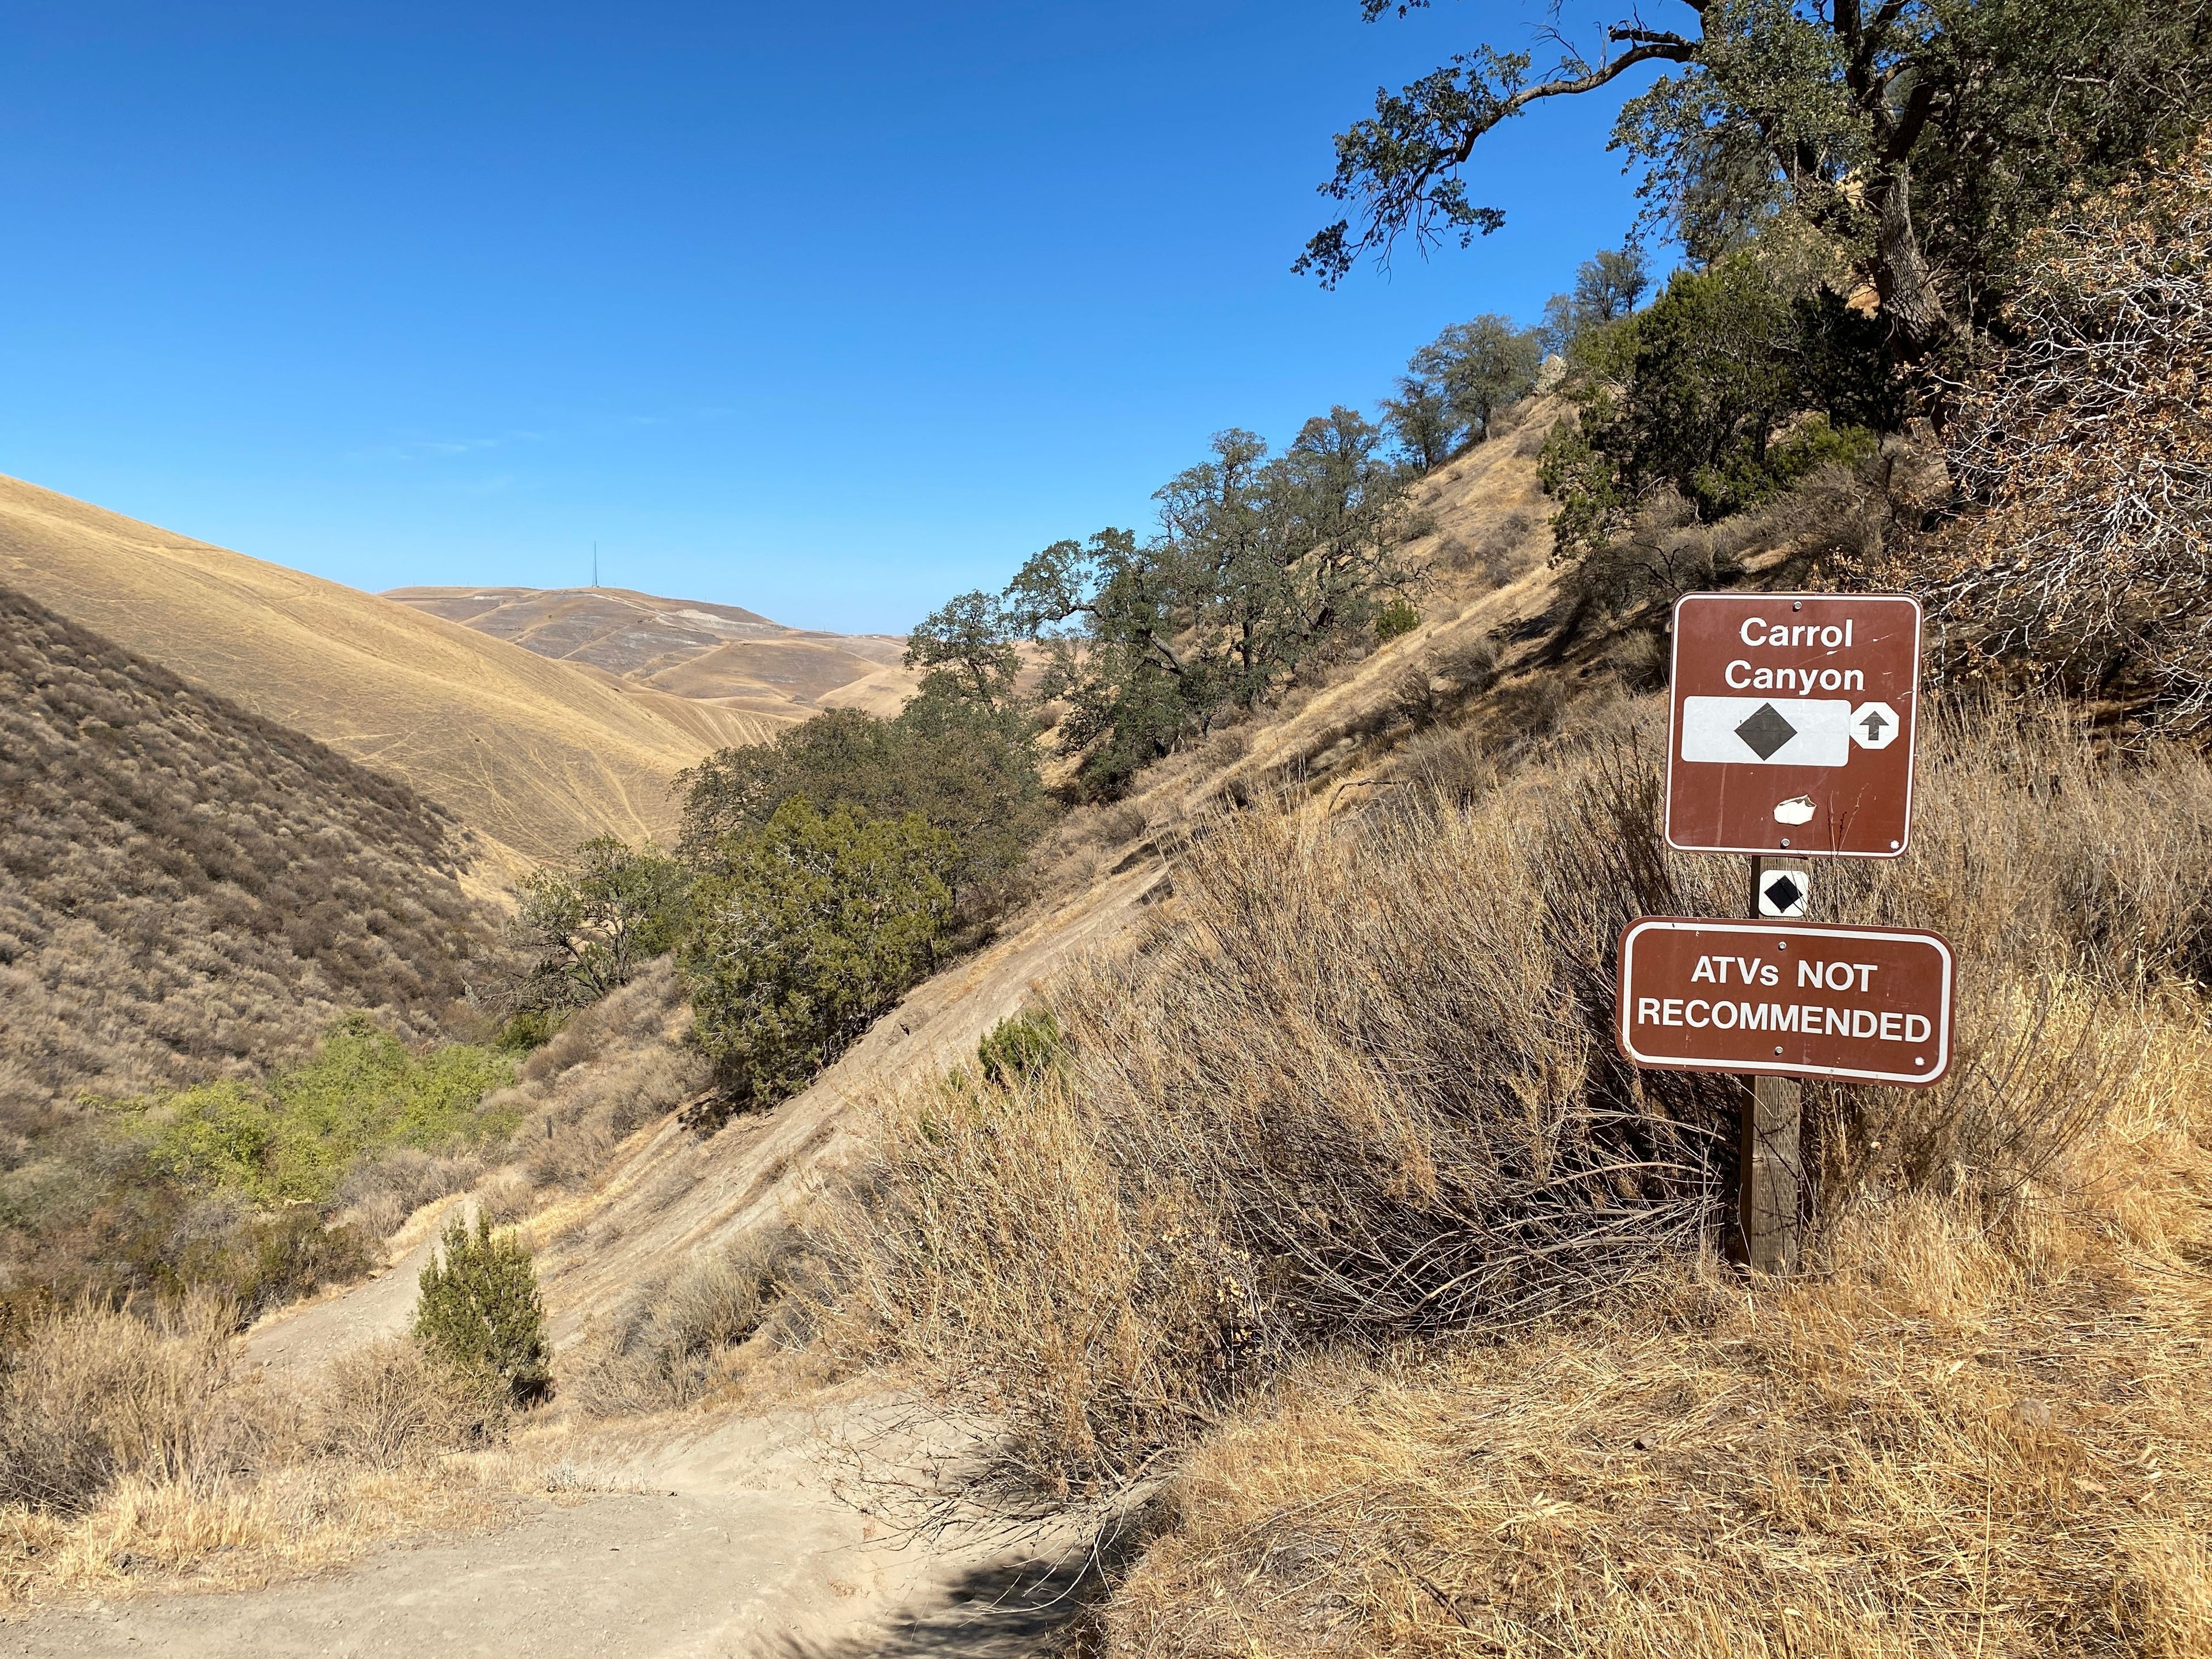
(1674, 736)
(1679, 924)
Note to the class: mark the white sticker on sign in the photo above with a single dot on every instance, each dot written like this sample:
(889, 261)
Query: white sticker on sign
(1767, 730)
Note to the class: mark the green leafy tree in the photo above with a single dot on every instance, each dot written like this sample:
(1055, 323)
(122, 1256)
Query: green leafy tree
(807, 930)
(480, 1311)
(589, 923)
(1710, 383)
(1607, 286)
(1480, 367)
(1922, 137)
(968, 765)
(1420, 421)
(1263, 566)
(967, 653)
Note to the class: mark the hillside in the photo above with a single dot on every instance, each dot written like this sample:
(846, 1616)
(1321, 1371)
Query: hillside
(716, 654)
(534, 755)
(189, 890)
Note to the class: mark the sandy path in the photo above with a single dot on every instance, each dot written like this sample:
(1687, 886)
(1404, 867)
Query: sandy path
(728, 1543)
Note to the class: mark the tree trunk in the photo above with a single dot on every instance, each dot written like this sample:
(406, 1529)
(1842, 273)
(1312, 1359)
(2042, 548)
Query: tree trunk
(1901, 277)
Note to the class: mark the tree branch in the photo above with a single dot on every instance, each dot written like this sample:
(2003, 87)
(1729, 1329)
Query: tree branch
(1399, 160)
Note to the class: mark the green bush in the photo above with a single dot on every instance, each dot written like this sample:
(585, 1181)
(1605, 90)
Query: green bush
(807, 931)
(291, 1140)
(1397, 618)
(1736, 381)
(1024, 1045)
(966, 767)
(480, 1310)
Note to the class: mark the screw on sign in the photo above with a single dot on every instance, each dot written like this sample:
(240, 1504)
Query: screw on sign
(1791, 721)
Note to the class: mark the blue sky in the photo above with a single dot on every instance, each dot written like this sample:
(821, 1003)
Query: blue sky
(830, 310)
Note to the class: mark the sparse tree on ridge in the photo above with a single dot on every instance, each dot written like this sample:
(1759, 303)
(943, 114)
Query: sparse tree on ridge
(1420, 422)
(1481, 367)
(1606, 287)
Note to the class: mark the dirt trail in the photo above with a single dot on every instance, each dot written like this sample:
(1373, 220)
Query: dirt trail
(727, 1543)
(712, 1537)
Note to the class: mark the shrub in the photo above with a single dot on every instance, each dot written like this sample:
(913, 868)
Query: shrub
(1396, 618)
(480, 1311)
(804, 934)
(663, 1351)
(90, 1395)
(383, 1187)
(1361, 1086)
(2085, 462)
(1020, 1049)
(293, 1140)
(394, 1403)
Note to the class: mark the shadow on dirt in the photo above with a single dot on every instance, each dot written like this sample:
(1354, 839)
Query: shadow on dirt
(1028, 1610)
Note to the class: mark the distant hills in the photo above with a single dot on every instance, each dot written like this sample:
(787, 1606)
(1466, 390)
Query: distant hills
(715, 654)
(533, 752)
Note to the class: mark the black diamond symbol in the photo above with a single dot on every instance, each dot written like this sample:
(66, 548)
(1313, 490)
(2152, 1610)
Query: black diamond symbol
(1765, 732)
(1782, 893)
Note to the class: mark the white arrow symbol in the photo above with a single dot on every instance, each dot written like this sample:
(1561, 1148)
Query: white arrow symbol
(1874, 725)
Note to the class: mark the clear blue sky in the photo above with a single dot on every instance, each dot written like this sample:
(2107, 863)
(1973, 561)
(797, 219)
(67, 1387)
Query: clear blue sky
(827, 310)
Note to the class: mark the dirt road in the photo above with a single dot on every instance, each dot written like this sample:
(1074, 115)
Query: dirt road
(731, 1545)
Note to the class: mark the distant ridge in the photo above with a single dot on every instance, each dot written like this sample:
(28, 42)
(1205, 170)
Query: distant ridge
(535, 754)
(716, 654)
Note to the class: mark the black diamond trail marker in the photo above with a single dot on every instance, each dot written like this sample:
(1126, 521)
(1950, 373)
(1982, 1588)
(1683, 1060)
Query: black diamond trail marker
(1765, 732)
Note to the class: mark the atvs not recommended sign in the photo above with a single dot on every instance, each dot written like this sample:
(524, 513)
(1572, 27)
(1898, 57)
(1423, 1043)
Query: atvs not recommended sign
(1792, 722)
(1868, 1004)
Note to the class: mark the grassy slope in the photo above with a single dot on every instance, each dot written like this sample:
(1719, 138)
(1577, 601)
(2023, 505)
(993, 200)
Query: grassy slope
(535, 754)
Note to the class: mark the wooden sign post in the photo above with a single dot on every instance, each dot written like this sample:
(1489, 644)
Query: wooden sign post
(1789, 735)
(1768, 1155)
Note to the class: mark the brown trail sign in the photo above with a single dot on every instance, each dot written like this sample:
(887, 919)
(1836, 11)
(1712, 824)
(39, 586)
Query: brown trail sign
(1791, 725)
(1862, 1005)
(1790, 737)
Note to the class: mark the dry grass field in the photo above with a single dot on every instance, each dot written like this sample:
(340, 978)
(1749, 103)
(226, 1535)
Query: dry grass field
(1343, 1245)
(536, 755)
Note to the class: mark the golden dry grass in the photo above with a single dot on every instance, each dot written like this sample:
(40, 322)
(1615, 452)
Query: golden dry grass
(1969, 1430)
(536, 755)
(1342, 1213)
(136, 1454)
